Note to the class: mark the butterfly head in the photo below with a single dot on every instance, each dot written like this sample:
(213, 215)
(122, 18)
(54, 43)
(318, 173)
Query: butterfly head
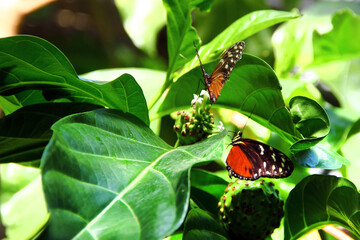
(237, 138)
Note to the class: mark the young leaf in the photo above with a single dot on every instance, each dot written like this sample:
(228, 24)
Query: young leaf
(106, 174)
(319, 200)
(31, 63)
(25, 133)
(200, 224)
(252, 85)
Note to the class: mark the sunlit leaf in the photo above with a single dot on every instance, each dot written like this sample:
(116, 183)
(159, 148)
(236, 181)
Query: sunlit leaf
(106, 174)
(239, 30)
(180, 33)
(23, 208)
(342, 42)
(253, 86)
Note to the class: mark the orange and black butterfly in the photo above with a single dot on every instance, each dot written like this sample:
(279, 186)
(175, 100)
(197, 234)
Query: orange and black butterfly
(250, 159)
(223, 69)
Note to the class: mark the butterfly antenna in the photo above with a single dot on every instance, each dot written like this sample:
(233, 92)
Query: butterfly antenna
(202, 67)
(252, 111)
(198, 86)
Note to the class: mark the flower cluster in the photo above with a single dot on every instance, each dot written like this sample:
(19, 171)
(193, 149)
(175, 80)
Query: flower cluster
(197, 123)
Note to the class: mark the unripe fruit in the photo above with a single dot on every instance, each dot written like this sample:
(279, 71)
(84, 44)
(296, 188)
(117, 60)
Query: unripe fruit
(250, 209)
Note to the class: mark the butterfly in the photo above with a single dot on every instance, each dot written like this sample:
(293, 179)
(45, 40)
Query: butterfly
(250, 159)
(223, 69)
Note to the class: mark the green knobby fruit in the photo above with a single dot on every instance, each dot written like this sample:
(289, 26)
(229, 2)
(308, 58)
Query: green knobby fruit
(194, 124)
(250, 209)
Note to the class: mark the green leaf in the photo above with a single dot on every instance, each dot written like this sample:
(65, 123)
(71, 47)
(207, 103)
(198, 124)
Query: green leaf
(310, 120)
(22, 201)
(206, 189)
(149, 80)
(203, 5)
(31, 63)
(253, 86)
(106, 174)
(342, 42)
(180, 34)
(28, 97)
(25, 133)
(341, 120)
(200, 224)
(319, 200)
(355, 128)
(349, 149)
(321, 156)
(241, 29)
(299, 33)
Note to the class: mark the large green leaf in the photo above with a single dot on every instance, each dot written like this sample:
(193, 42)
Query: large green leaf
(319, 200)
(25, 133)
(149, 80)
(200, 224)
(342, 42)
(253, 86)
(107, 175)
(239, 30)
(31, 63)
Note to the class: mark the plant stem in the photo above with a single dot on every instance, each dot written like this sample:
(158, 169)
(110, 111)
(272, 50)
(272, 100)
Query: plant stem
(177, 143)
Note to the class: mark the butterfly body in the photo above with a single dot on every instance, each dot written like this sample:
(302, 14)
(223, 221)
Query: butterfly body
(250, 159)
(223, 69)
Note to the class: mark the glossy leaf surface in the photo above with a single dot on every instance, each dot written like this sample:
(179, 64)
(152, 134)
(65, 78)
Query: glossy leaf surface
(252, 85)
(107, 175)
(310, 120)
(319, 200)
(29, 63)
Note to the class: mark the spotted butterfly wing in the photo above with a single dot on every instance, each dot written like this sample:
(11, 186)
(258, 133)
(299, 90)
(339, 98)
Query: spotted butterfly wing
(249, 159)
(223, 69)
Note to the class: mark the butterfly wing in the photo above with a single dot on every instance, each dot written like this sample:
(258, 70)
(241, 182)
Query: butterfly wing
(249, 159)
(223, 69)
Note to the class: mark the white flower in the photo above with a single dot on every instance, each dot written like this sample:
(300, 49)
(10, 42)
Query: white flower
(196, 99)
(221, 126)
(204, 93)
